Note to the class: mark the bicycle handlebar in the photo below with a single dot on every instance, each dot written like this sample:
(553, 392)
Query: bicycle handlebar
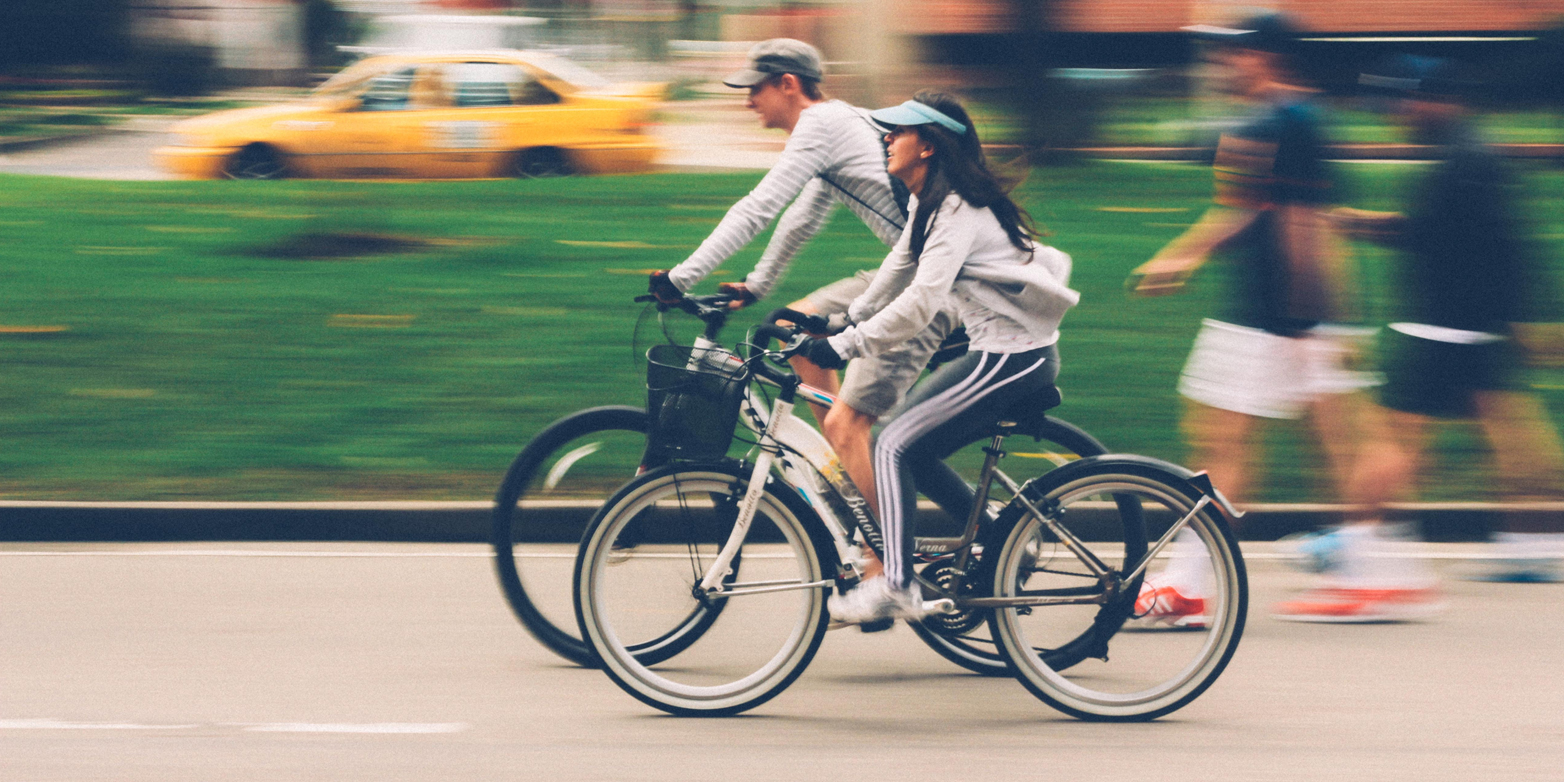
(789, 337)
(813, 324)
(712, 310)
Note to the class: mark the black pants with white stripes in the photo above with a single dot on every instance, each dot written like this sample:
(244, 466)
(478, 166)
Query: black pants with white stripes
(944, 412)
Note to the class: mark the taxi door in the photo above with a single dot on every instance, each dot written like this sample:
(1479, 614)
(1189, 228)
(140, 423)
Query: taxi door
(370, 138)
(466, 138)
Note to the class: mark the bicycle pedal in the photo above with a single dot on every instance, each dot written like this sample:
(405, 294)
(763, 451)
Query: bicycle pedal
(943, 605)
(878, 625)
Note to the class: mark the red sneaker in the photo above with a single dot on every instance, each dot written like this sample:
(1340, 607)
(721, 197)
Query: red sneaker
(1345, 604)
(1165, 606)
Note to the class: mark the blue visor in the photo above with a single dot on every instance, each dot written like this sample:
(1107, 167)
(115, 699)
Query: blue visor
(915, 113)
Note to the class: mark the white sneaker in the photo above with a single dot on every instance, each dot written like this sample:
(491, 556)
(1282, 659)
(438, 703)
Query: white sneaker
(875, 599)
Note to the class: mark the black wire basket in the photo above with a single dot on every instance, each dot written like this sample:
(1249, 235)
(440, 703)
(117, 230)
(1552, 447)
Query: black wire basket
(693, 397)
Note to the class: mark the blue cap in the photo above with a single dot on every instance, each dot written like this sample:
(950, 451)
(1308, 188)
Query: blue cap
(915, 113)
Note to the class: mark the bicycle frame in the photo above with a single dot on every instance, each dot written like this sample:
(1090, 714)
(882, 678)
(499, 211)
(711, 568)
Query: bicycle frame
(822, 478)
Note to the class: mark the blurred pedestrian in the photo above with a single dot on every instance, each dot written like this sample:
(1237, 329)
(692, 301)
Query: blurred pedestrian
(834, 155)
(1467, 288)
(1271, 355)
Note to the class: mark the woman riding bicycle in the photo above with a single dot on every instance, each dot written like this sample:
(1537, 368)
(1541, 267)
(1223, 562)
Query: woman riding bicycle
(969, 241)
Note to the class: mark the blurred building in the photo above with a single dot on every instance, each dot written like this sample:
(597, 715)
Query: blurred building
(874, 45)
(1166, 16)
(250, 41)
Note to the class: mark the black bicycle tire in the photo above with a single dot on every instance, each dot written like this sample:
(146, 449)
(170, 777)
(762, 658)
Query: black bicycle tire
(819, 545)
(1112, 617)
(975, 658)
(522, 470)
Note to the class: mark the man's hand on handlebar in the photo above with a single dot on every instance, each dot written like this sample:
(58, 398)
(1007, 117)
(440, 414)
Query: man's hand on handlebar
(663, 288)
(742, 295)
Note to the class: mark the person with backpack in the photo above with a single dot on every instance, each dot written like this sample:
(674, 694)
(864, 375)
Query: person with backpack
(834, 155)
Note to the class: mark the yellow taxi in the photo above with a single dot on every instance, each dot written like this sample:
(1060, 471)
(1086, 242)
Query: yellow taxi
(440, 116)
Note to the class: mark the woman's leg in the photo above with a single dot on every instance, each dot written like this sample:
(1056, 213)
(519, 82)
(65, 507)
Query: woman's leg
(939, 417)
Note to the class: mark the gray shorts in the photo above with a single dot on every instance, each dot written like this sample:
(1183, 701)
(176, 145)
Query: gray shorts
(875, 384)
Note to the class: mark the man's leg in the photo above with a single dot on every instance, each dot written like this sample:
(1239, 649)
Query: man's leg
(1526, 448)
(1364, 575)
(1221, 443)
(1530, 463)
(1337, 423)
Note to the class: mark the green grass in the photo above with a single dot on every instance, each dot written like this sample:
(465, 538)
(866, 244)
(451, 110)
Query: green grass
(1149, 121)
(194, 367)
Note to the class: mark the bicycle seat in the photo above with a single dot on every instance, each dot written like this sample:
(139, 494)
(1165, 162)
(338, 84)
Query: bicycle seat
(1027, 414)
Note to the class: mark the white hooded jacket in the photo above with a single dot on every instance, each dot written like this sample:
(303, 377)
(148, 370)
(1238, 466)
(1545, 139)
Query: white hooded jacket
(1010, 300)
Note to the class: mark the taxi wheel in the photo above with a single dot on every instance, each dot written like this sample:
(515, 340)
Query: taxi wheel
(541, 162)
(256, 161)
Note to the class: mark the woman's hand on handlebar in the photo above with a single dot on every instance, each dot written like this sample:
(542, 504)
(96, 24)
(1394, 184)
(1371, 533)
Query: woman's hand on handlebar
(741, 294)
(819, 352)
(811, 324)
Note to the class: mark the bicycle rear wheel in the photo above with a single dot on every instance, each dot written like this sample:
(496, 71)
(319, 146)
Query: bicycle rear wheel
(639, 570)
(1127, 656)
(965, 638)
(562, 476)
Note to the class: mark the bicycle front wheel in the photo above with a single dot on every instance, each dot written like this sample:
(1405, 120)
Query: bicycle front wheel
(638, 573)
(1130, 643)
(549, 494)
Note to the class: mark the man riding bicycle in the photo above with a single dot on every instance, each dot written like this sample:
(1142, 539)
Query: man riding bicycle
(834, 154)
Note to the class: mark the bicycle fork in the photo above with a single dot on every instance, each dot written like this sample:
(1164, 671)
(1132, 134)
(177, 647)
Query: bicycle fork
(722, 566)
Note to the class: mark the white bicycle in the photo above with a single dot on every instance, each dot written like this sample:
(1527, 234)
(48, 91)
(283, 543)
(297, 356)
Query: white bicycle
(569, 469)
(700, 586)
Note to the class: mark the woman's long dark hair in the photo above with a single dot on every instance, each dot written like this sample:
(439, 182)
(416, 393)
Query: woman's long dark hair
(959, 166)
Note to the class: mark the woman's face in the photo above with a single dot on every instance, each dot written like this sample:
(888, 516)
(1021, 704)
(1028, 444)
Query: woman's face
(907, 155)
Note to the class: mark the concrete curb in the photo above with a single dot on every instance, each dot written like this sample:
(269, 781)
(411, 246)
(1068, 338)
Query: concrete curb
(469, 521)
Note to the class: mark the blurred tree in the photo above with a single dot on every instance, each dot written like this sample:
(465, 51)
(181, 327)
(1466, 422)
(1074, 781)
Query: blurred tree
(326, 27)
(1055, 116)
(1549, 73)
(177, 70)
(63, 32)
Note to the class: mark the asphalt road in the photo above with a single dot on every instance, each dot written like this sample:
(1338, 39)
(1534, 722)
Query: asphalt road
(352, 661)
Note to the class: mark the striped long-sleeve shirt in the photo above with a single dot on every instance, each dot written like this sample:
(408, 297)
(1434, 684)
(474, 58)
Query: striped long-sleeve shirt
(834, 155)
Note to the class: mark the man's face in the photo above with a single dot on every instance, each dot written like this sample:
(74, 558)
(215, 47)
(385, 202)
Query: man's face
(771, 102)
(1244, 71)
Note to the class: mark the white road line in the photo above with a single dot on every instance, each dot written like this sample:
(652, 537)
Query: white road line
(53, 724)
(357, 727)
(1473, 551)
(266, 553)
(382, 728)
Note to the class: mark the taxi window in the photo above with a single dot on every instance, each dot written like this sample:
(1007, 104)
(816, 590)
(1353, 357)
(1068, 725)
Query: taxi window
(478, 84)
(388, 91)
